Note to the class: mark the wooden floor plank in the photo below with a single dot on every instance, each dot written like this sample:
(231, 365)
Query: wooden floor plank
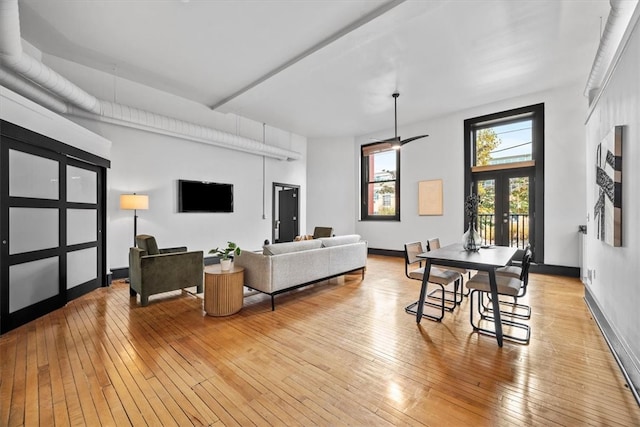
(50, 329)
(18, 392)
(342, 352)
(8, 349)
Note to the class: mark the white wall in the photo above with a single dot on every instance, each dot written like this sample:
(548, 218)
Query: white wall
(617, 271)
(150, 163)
(440, 156)
(333, 199)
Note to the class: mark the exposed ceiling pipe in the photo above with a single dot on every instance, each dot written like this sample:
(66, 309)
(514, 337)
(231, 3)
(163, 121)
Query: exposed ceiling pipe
(75, 101)
(617, 22)
(32, 91)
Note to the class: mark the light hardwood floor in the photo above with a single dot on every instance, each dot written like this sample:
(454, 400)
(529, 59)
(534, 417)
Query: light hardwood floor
(337, 353)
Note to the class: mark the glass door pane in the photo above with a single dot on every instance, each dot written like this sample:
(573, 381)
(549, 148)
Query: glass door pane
(518, 211)
(486, 190)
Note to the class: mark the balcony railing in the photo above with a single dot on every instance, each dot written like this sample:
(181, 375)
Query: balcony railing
(518, 229)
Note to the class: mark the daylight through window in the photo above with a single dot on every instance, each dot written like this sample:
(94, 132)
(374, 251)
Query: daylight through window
(380, 182)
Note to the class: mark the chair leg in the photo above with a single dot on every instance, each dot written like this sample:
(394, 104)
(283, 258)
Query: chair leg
(458, 286)
(468, 291)
(449, 297)
(519, 311)
(476, 327)
(413, 307)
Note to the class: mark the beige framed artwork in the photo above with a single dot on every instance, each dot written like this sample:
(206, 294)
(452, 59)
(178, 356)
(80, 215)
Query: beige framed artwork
(430, 197)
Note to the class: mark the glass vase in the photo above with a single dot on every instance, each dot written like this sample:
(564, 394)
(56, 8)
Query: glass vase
(471, 238)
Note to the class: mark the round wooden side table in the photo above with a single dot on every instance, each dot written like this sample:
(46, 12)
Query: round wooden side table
(223, 290)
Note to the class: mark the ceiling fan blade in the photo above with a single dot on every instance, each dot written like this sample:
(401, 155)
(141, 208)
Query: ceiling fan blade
(395, 138)
(413, 138)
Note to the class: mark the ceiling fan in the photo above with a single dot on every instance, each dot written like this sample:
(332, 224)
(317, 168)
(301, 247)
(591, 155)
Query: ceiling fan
(396, 142)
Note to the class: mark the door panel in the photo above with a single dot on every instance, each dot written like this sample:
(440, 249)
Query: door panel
(33, 176)
(81, 267)
(51, 222)
(288, 215)
(517, 219)
(32, 229)
(285, 213)
(505, 208)
(33, 282)
(486, 191)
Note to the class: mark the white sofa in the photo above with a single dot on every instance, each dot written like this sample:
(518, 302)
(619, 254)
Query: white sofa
(284, 266)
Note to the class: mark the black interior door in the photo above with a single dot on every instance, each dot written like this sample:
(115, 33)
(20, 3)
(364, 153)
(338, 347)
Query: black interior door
(286, 213)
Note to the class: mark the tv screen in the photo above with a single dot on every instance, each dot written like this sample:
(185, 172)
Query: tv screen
(199, 196)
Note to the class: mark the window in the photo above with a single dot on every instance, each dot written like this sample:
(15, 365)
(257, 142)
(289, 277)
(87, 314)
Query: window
(504, 155)
(380, 197)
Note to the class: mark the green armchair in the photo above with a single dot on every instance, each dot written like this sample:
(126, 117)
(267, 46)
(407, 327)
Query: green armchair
(153, 270)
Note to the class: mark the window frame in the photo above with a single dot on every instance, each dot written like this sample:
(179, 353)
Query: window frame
(536, 113)
(364, 182)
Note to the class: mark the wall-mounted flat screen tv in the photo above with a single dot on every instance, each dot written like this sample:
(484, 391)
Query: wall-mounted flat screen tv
(199, 196)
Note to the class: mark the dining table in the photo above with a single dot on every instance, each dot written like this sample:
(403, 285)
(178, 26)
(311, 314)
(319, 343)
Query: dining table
(487, 258)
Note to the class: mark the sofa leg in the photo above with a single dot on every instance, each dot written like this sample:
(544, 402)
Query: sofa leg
(144, 300)
(199, 289)
(273, 303)
(363, 270)
(132, 293)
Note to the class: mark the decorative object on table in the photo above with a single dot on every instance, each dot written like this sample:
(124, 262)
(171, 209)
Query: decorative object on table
(471, 240)
(607, 212)
(134, 202)
(225, 254)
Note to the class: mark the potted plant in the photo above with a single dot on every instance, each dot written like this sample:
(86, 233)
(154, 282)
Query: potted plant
(226, 254)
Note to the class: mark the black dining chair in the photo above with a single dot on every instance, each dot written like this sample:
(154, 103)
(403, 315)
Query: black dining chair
(433, 244)
(445, 280)
(506, 286)
(514, 308)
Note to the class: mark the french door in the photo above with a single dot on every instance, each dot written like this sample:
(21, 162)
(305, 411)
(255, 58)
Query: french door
(506, 208)
(51, 226)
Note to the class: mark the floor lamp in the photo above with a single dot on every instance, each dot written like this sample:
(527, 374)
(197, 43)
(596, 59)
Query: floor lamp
(134, 202)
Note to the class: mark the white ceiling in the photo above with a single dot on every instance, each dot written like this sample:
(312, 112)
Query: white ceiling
(442, 56)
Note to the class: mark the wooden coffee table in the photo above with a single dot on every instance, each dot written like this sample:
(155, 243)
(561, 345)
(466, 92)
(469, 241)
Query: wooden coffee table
(223, 290)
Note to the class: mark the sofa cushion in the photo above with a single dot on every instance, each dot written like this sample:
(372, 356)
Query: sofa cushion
(285, 248)
(328, 242)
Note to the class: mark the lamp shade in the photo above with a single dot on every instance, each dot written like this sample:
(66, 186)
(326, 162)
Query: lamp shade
(134, 201)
